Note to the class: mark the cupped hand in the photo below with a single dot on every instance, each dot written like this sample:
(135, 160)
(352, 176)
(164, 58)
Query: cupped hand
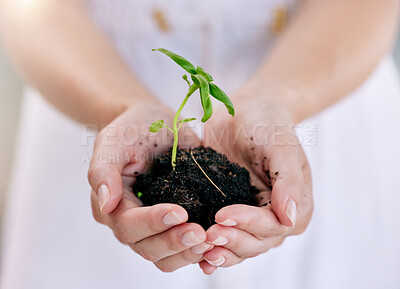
(261, 138)
(123, 150)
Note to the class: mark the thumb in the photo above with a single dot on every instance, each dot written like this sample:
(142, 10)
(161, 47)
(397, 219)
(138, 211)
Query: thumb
(105, 172)
(287, 184)
(284, 201)
(106, 181)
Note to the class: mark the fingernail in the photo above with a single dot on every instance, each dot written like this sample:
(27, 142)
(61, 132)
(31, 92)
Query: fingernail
(228, 223)
(103, 196)
(201, 248)
(218, 262)
(172, 219)
(291, 211)
(190, 239)
(220, 241)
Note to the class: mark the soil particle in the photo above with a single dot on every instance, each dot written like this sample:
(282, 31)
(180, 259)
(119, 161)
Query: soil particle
(266, 204)
(189, 187)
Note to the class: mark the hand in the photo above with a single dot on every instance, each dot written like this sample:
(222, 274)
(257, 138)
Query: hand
(124, 149)
(260, 138)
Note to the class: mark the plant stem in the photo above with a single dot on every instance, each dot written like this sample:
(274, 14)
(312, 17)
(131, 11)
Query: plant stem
(175, 128)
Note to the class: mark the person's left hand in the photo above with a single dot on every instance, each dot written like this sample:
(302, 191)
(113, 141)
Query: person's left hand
(261, 138)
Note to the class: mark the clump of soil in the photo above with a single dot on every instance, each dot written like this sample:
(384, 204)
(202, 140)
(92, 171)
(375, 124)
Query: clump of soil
(189, 187)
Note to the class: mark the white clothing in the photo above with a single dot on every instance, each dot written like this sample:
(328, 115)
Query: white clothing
(50, 237)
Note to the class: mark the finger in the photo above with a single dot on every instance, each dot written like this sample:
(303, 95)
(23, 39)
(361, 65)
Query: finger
(222, 257)
(207, 268)
(258, 221)
(285, 164)
(184, 258)
(243, 244)
(128, 201)
(170, 242)
(106, 181)
(105, 171)
(306, 204)
(138, 223)
(111, 161)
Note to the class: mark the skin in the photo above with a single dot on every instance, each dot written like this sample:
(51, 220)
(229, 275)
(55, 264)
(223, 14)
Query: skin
(331, 58)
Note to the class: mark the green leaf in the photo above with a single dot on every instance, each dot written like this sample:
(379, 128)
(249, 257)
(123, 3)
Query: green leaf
(187, 119)
(202, 83)
(139, 195)
(219, 94)
(207, 76)
(156, 126)
(185, 77)
(181, 61)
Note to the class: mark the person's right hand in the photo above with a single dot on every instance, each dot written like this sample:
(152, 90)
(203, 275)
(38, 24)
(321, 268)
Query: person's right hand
(124, 149)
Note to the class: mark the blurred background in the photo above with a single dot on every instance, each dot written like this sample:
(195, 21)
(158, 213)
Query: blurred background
(10, 96)
(11, 88)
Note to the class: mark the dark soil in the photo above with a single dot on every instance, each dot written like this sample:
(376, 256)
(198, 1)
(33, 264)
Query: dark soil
(188, 186)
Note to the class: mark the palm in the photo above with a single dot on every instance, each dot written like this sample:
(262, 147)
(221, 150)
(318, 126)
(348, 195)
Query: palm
(264, 143)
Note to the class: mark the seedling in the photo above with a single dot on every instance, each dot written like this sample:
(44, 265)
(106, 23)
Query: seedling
(201, 81)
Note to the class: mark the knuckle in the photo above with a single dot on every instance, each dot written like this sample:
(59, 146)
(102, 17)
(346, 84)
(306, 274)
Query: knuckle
(256, 250)
(266, 247)
(120, 231)
(172, 242)
(265, 231)
(248, 222)
(165, 267)
(91, 172)
(234, 238)
(279, 242)
(119, 239)
(189, 257)
(146, 254)
(274, 231)
(153, 223)
(122, 222)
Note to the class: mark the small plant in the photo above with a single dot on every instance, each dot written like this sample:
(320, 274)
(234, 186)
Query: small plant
(203, 181)
(202, 81)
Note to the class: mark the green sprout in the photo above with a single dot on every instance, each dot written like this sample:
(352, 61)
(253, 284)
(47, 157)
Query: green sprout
(202, 81)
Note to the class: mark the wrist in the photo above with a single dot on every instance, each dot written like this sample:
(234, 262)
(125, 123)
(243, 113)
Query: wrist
(110, 108)
(283, 97)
